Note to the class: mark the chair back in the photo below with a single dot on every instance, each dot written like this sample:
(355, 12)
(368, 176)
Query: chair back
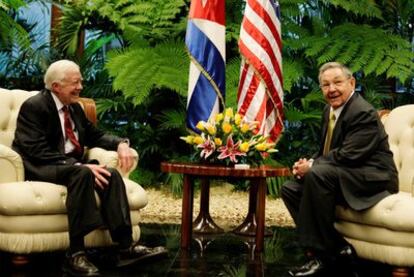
(10, 102)
(399, 126)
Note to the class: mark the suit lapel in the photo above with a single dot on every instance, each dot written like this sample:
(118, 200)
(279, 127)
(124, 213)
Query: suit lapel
(324, 127)
(337, 130)
(55, 121)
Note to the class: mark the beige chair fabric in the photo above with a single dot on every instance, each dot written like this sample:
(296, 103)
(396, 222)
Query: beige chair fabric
(33, 214)
(385, 232)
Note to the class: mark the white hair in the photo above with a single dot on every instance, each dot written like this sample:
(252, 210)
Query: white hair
(57, 72)
(329, 65)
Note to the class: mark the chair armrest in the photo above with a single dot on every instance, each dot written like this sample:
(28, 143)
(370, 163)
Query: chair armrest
(11, 165)
(110, 159)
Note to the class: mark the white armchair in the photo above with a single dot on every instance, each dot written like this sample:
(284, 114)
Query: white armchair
(33, 214)
(385, 232)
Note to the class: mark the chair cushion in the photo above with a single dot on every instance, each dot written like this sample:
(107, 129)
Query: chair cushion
(393, 213)
(42, 198)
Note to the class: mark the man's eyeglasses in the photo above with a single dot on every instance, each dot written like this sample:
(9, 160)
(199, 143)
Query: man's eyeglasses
(335, 84)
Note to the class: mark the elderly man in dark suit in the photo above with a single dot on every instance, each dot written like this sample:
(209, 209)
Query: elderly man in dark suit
(51, 133)
(353, 167)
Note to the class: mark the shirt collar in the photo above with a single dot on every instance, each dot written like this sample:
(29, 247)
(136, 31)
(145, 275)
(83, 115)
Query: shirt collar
(338, 111)
(58, 103)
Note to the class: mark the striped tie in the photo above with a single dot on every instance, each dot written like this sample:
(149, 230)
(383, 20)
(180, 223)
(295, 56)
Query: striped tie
(69, 132)
(329, 132)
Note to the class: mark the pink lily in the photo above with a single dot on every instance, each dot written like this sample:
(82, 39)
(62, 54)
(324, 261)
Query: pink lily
(230, 150)
(208, 147)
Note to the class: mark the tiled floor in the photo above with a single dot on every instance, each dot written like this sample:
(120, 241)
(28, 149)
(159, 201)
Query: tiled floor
(222, 255)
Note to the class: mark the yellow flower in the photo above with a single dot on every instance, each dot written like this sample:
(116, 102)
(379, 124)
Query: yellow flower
(272, 150)
(261, 146)
(245, 128)
(211, 129)
(229, 112)
(219, 117)
(200, 125)
(198, 140)
(226, 127)
(244, 147)
(188, 139)
(218, 141)
(237, 118)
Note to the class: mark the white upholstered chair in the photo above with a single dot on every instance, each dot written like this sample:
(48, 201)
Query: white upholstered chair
(385, 232)
(33, 214)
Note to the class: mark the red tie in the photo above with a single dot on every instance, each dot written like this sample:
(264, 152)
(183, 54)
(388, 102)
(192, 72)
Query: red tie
(69, 131)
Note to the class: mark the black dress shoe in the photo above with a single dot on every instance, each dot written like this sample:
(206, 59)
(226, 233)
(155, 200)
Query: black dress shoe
(348, 259)
(137, 253)
(311, 268)
(78, 265)
(348, 251)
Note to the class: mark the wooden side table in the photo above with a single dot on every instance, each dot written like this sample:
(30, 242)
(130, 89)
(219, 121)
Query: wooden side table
(255, 219)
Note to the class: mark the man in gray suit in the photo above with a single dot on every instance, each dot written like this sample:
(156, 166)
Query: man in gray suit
(51, 133)
(353, 167)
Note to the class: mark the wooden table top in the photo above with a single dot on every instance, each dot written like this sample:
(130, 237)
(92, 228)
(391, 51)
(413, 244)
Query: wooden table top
(218, 170)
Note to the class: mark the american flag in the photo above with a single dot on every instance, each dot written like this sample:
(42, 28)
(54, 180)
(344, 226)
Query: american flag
(205, 40)
(260, 94)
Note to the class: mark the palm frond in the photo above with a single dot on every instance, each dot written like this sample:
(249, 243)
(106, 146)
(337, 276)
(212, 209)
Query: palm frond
(11, 32)
(292, 72)
(232, 81)
(137, 70)
(358, 7)
(172, 119)
(370, 45)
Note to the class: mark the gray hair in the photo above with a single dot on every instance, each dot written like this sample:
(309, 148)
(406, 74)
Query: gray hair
(347, 72)
(57, 72)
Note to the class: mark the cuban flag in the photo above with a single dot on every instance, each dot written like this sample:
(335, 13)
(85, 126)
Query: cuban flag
(205, 41)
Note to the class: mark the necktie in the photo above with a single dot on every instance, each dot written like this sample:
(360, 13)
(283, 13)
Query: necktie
(69, 131)
(329, 132)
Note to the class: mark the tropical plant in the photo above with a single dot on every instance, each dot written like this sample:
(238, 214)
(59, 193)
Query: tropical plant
(22, 60)
(11, 32)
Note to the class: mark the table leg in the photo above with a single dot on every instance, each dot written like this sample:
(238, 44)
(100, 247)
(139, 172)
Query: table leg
(204, 224)
(260, 214)
(187, 212)
(249, 225)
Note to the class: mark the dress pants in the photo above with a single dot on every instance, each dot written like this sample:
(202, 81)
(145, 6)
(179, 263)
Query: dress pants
(82, 209)
(311, 202)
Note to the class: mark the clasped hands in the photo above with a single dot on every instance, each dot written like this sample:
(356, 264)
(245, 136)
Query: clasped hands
(300, 167)
(125, 161)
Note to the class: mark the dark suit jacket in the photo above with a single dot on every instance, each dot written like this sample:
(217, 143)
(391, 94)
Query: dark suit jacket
(360, 153)
(39, 138)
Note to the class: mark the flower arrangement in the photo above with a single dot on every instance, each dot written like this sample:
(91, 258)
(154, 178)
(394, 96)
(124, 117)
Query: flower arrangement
(230, 139)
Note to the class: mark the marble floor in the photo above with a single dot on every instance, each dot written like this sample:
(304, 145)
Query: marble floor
(219, 255)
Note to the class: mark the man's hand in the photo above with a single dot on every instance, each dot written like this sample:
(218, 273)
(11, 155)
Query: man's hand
(101, 174)
(301, 167)
(125, 157)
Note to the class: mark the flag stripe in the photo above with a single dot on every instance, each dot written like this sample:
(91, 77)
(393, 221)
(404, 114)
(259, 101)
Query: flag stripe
(201, 104)
(260, 95)
(210, 59)
(205, 41)
(264, 44)
(272, 84)
(251, 84)
(270, 20)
